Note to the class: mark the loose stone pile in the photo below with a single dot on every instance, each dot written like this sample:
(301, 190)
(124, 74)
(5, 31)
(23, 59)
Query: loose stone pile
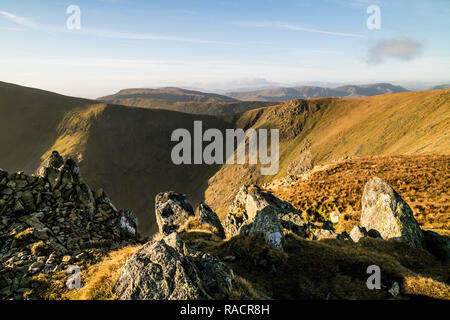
(53, 219)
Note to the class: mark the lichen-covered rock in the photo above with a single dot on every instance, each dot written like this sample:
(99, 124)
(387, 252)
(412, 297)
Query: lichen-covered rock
(85, 196)
(268, 226)
(385, 211)
(172, 211)
(157, 272)
(208, 216)
(358, 233)
(249, 201)
(161, 270)
(128, 223)
(437, 245)
(233, 224)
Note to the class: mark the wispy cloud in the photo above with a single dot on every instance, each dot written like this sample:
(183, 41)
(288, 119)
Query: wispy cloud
(17, 19)
(26, 22)
(399, 48)
(292, 27)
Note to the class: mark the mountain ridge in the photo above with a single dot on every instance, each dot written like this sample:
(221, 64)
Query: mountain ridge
(305, 92)
(182, 100)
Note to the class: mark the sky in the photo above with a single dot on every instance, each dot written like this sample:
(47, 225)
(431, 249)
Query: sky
(221, 45)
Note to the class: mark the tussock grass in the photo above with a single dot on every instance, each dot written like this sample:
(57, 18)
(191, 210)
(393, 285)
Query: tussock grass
(421, 180)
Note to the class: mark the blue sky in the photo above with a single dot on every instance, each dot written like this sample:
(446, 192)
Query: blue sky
(221, 45)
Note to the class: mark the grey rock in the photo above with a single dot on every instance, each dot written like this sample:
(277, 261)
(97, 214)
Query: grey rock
(172, 211)
(395, 289)
(128, 223)
(158, 271)
(208, 216)
(249, 201)
(358, 233)
(385, 211)
(268, 226)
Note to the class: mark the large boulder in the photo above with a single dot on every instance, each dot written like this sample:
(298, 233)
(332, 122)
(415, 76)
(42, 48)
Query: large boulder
(161, 270)
(249, 201)
(268, 226)
(172, 211)
(386, 212)
(208, 216)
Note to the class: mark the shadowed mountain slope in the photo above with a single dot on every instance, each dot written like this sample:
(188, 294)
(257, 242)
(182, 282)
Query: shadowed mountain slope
(126, 151)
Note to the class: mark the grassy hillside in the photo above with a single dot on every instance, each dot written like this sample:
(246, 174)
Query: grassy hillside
(319, 131)
(422, 181)
(307, 92)
(29, 119)
(126, 150)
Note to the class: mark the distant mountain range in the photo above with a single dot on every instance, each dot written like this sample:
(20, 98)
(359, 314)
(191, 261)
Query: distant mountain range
(182, 100)
(306, 92)
(441, 87)
(197, 102)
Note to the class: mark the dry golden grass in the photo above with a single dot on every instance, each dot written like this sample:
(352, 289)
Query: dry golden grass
(425, 286)
(97, 280)
(193, 224)
(422, 180)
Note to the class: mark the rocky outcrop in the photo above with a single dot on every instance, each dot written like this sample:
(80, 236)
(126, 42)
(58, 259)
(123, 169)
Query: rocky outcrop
(208, 216)
(261, 213)
(166, 270)
(50, 220)
(172, 211)
(386, 212)
(268, 226)
(249, 201)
